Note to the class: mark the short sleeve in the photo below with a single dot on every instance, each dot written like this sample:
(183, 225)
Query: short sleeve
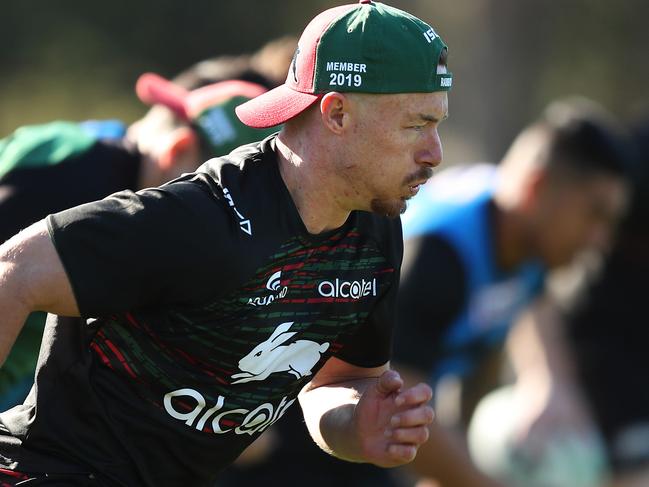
(431, 295)
(371, 344)
(134, 250)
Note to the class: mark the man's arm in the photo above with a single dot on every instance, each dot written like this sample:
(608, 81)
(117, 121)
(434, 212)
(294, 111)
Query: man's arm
(445, 456)
(432, 295)
(546, 381)
(32, 278)
(365, 415)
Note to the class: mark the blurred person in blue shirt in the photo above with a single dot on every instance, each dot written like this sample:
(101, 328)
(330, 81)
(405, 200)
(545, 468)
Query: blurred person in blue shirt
(479, 241)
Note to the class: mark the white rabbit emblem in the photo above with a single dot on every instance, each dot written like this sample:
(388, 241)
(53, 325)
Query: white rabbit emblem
(270, 356)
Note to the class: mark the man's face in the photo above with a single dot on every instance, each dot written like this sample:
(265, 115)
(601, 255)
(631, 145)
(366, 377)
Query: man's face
(394, 146)
(579, 215)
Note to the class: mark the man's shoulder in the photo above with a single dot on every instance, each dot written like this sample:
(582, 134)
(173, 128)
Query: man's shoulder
(244, 184)
(251, 158)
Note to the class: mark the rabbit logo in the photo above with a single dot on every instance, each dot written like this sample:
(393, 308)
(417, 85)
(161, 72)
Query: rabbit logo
(273, 356)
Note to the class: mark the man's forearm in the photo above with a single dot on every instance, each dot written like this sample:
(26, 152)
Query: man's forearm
(445, 458)
(538, 347)
(329, 416)
(365, 415)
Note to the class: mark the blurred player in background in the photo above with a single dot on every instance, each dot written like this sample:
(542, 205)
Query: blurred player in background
(581, 402)
(50, 167)
(478, 243)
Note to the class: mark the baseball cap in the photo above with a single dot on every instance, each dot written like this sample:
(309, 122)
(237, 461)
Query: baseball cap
(209, 109)
(367, 47)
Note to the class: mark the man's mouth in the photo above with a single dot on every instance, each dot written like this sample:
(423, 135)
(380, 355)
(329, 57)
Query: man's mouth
(413, 189)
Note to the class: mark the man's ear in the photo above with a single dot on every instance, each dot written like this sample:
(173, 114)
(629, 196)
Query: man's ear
(334, 110)
(180, 143)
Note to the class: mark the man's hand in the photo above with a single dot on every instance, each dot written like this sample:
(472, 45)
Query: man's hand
(364, 414)
(390, 422)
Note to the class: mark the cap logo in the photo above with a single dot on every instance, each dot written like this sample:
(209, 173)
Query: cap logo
(430, 35)
(342, 73)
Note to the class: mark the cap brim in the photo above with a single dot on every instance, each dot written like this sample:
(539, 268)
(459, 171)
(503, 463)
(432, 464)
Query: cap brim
(154, 89)
(217, 93)
(274, 107)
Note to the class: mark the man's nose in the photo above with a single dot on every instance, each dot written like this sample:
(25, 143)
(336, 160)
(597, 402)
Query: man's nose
(433, 153)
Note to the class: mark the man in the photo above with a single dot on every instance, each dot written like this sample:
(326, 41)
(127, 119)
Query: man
(606, 333)
(478, 243)
(50, 167)
(597, 390)
(212, 301)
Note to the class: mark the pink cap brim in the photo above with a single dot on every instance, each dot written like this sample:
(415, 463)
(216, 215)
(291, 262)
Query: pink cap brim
(216, 93)
(154, 89)
(274, 107)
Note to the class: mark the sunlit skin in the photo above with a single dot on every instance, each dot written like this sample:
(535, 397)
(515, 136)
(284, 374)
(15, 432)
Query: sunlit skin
(353, 151)
(399, 145)
(577, 215)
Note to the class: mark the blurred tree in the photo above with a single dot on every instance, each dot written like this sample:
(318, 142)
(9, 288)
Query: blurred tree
(76, 59)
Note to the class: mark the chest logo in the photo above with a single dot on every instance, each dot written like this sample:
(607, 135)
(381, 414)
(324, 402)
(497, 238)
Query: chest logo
(275, 355)
(274, 285)
(347, 289)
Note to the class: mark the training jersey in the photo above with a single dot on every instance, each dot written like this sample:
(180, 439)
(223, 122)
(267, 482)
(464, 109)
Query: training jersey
(44, 169)
(206, 307)
(455, 304)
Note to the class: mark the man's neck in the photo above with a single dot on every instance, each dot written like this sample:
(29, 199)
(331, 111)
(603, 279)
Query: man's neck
(311, 184)
(509, 238)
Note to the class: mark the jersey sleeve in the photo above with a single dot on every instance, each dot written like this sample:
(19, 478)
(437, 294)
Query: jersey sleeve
(134, 250)
(371, 344)
(431, 295)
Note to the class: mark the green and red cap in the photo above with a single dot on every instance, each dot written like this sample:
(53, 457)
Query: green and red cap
(368, 47)
(208, 109)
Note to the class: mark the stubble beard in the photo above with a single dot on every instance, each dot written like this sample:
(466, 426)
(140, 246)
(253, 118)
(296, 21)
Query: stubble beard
(389, 208)
(396, 207)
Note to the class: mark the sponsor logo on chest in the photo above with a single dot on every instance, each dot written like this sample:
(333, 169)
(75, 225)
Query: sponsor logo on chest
(347, 289)
(274, 285)
(221, 419)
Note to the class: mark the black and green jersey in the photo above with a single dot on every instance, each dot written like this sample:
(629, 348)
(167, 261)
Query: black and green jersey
(44, 169)
(207, 306)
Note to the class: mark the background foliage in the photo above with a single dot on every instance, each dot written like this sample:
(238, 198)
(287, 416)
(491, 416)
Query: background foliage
(74, 59)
